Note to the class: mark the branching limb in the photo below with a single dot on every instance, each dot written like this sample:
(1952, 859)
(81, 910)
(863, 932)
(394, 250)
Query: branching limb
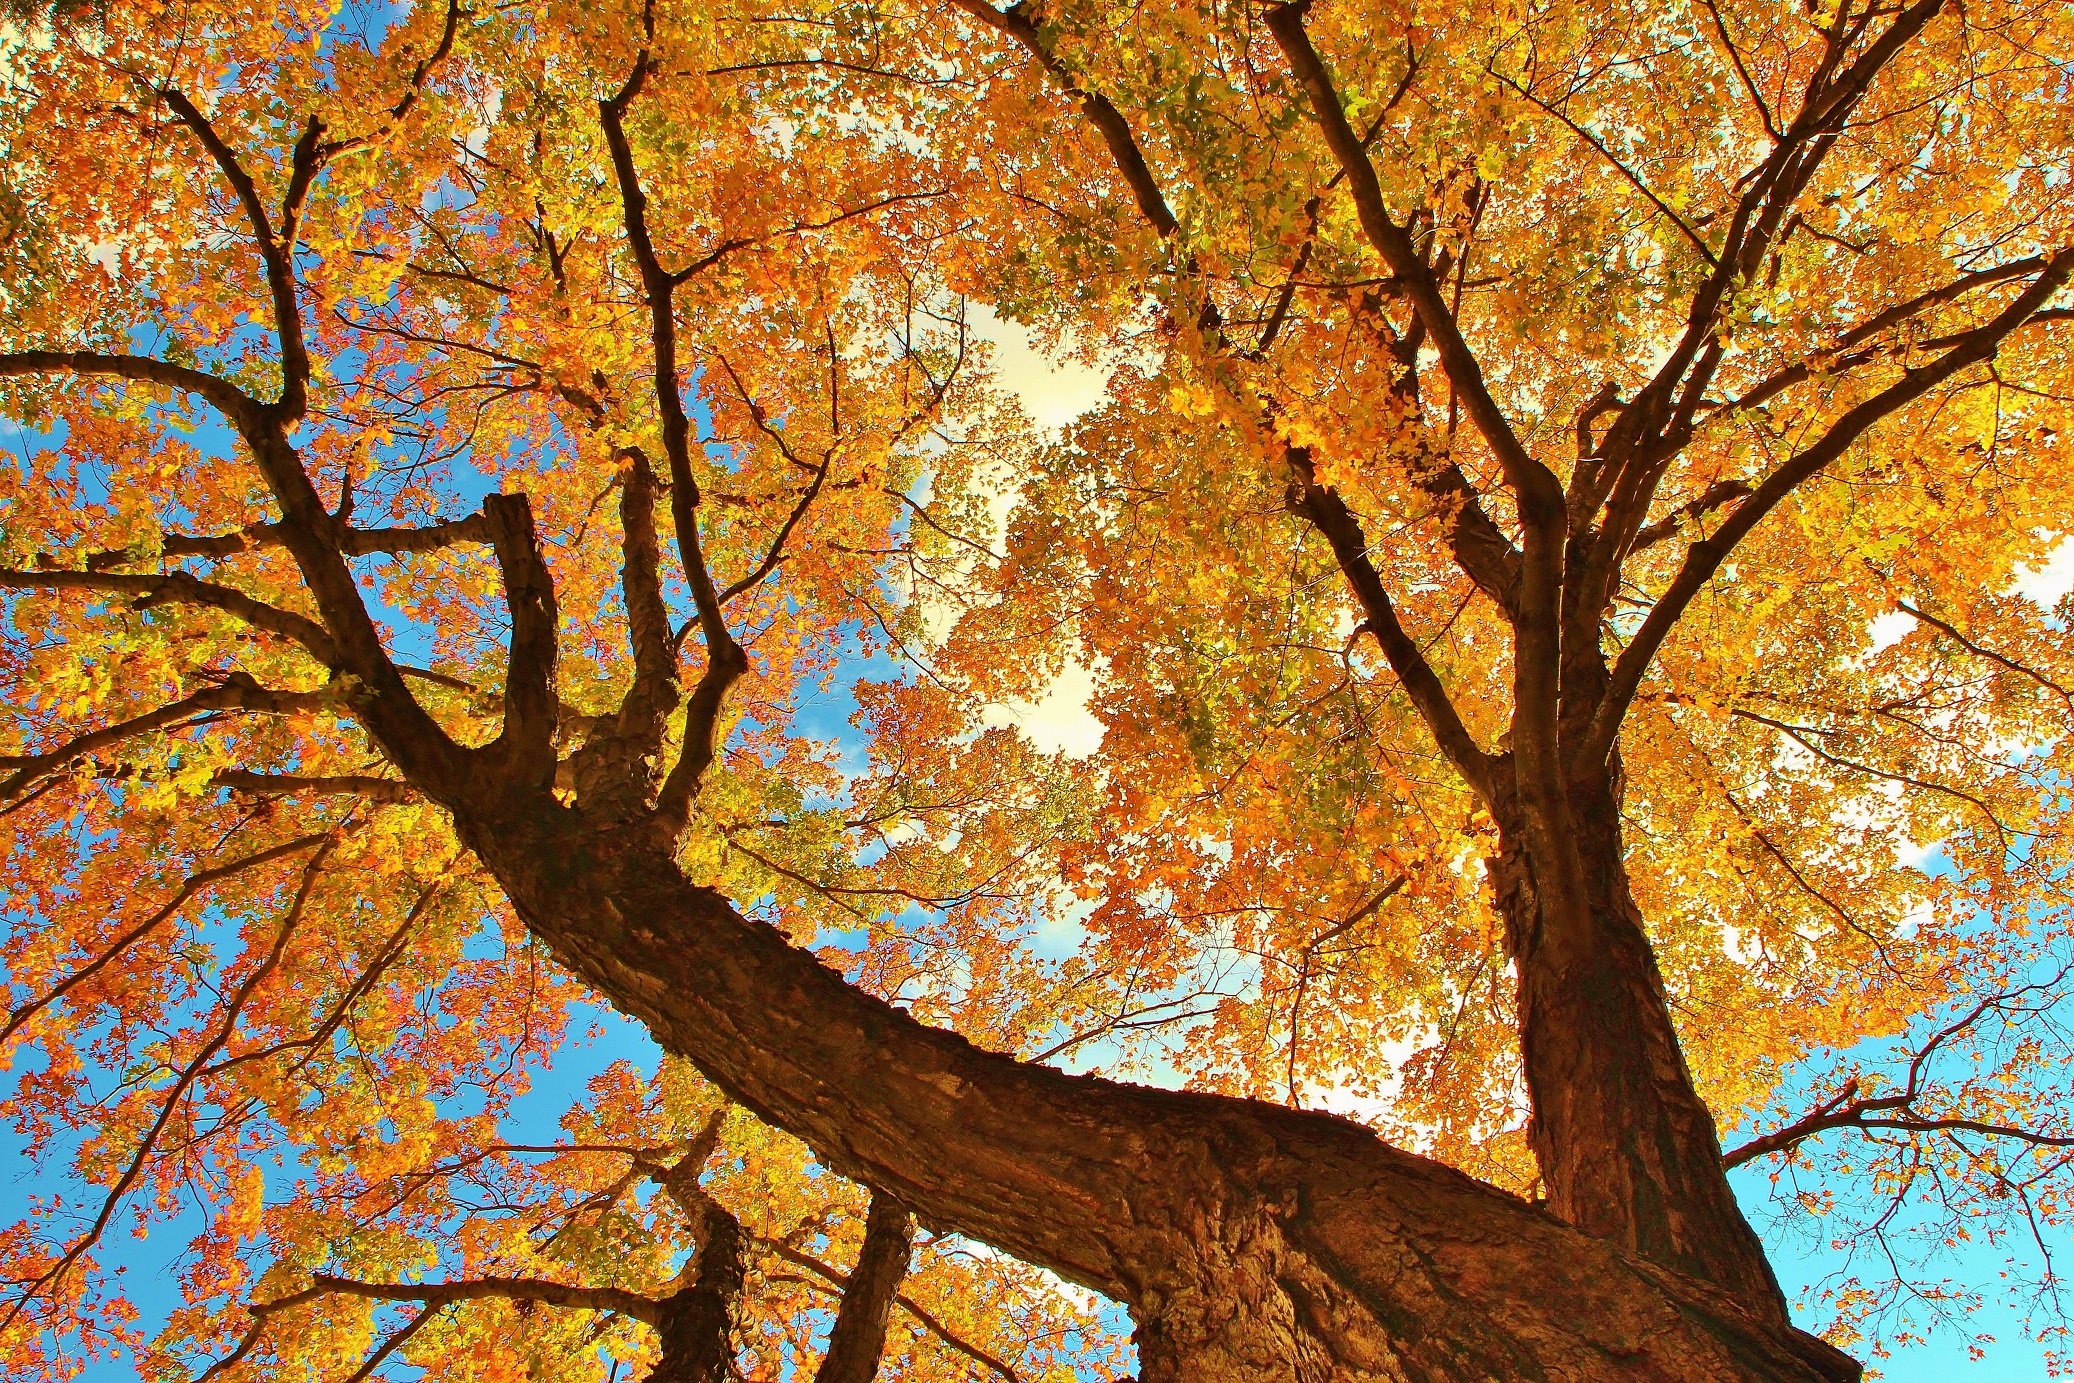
(353, 542)
(275, 247)
(1705, 557)
(1540, 494)
(238, 692)
(176, 1096)
(1669, 526)
(1342, 529)
(1658, 421)
(549, 1293)
(1017, 24)
(1900, 1110)
(725, 659)
(388, 791)
(1856, 346)
(1980, 651)
(839, 1281)
(309, 531)
(1598, 146)
(435, 1296)
(615, 768)
(526, 743)
(227, 398)
(1537, 622)
(179, 588)
(194, 884)
(697, 1322)
(819, 473)
(1483, 552)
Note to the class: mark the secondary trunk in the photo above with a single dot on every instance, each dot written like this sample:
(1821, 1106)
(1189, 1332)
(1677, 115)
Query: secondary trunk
(1628, 1151)
(1250, 1241)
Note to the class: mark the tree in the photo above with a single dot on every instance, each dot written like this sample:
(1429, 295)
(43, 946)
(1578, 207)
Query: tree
(478, 440)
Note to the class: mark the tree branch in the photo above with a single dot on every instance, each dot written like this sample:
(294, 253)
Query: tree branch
(388, 791)
(275, 250)
(179, 588)
(1713, 497)
(526, 743)
(1537, 624)
(858, 1338)
(840, 1282)
(238, 692)
(725, 659)
(561, 1294)
(1978, 651)
(1540, 494)
(1483, 552)
(227, 398)
(1330, 515)
(1016, 23)
(1705, 557)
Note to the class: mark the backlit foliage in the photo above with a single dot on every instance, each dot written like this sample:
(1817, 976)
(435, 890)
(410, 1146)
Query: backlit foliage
(260, 995)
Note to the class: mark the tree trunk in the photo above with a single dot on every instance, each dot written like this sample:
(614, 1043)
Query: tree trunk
(1250, 1241)
(698, 1321)
(859, 1335)
(1628, 1151)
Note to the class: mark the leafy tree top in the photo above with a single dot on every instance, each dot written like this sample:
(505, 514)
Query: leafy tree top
(1550, 567)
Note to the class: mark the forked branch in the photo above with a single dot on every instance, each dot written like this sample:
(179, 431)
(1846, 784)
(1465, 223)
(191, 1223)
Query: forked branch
(1705, 557)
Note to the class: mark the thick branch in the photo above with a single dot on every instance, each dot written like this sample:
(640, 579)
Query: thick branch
(354, 542)
(364, 785)
(526, 742)
(275, 249)
(839, 1282)
(1017, 24)
(1537, 623)
(616, 768)
(562, 1294)
(1330, 515)
(725, 660)
(1658, 421)
(859, 1336)
(697, 1322)
(1103, 1183)
(1540, 494)
(234, 403)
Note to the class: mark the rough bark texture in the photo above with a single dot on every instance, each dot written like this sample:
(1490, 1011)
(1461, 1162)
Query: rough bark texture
(1628, 1151)
(1250, 1241)
(697, 1322)
(859, 1335)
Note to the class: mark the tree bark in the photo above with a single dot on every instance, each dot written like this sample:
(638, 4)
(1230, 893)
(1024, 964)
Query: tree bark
(697, 1322)
(859, 1336)
(1250, 1241)
(1628, 1151)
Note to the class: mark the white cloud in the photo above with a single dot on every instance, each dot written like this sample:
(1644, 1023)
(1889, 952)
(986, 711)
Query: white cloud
(1054, 388)
(1057, 721)
(2047, 585)
(1889, 629)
